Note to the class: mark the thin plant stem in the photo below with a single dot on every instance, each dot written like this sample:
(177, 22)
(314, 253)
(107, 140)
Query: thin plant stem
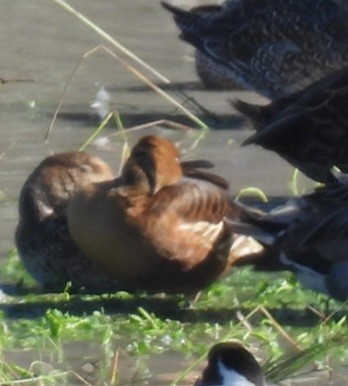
(99, 129)
(253, 191)
(109, 38)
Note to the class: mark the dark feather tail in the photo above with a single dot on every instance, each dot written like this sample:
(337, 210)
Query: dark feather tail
(266, 225)
(191, 168)
(251, 111)
(265, 228)
(266, 261)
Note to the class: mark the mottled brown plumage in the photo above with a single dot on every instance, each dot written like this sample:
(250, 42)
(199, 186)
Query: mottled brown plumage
(154, 228)
(42, 236)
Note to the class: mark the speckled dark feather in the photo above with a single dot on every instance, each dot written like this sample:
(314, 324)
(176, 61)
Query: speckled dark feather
(274, 47)
(309, 128)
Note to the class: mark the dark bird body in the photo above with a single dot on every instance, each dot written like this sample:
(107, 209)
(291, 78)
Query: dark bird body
(309, 128)
(274, 47)
(309, 236)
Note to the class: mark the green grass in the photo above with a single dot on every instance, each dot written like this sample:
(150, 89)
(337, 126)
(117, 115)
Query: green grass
(144, 326)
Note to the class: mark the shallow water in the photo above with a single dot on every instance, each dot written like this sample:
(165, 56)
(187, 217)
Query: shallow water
(48, 45)
(86, 360)
(42, 44)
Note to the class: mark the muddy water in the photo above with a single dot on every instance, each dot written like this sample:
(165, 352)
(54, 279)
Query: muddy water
(42, 44)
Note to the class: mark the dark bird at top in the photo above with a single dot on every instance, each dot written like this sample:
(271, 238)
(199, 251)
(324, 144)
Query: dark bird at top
(308, 128)
(274, 47)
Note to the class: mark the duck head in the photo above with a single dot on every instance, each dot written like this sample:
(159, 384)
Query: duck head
(153, 163)
(53, 183)
(230, 364)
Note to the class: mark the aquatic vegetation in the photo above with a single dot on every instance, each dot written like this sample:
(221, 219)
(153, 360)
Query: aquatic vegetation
(140, 327)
